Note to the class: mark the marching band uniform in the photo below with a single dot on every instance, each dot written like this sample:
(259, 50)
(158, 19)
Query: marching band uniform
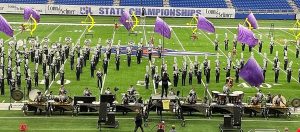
(99, 75)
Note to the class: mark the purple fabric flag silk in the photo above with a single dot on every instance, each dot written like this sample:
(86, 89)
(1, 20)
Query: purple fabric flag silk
(205, 24)
(5, 27)
(126, 20)
(29, 11)
(162, 28)
(252, 20)
(252, 73)
(246, 36)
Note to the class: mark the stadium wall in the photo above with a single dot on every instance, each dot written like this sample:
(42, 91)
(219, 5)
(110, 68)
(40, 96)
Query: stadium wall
(117, 10)
(268, 16)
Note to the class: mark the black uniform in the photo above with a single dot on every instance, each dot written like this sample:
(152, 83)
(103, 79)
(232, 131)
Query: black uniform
(207, 70)
(175, 78)
(117, 62)
(260, 46)
(237, 72)
(52, 72)
(234, 43)
(36, 78)
(62, 77)
(72, 61)
(250, 49)
(99, 77)
(297, 51)
(105, 65)
(93, 67)
(286, 61)
(139, 55)
(18, 79)
(147, 78)
(271, 47)
(28, 84)
(264, 73)
(47, 82)
(276, 74)
(289, 74)
(78, 72)
(243, 46)
(184, 73)
(226, 44)
(217, 74)
(128, 59)
(2, 85)
(156, 80)
(190, 77)
(165, 85)
(199, 76)
(216, 45)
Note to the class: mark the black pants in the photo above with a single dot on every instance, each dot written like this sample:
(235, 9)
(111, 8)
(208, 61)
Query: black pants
(183, 81)
(297, 54)
(99, 83)
(190, 81)
(289, 78)
(164, 90)
(271, 50)
(217, 78)
(138, 126)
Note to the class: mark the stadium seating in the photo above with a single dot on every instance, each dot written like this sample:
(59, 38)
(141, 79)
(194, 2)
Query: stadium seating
(85, 2)
(199, 3)
(152, 3)
(261, 4)
(297, 2)
(25, 1)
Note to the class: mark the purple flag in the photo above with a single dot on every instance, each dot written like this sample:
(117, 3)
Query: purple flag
(252, 73)
(5, 27)
(126, 20)
(252, 20)
(246, 36)
(205, 24)
(29, 11)
(162, 28)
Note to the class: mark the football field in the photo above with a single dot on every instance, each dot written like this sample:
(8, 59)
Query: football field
(54, 27)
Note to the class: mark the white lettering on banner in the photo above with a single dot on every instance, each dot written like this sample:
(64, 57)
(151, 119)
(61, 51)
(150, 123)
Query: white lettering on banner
(118, 10)
(264, 85)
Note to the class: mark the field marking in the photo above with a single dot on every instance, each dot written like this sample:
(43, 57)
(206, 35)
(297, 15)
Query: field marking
(153, 81)
(145, 36)
(276, 40)
(267, 59)
(78, 41)
(175, 26)
(203, 83)
(112, 42)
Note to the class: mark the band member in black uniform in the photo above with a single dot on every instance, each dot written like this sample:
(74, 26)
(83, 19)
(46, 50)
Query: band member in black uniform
(18, 75)
(207, 71)
(128, 56)
(175, 77)
(78, 72)
(36, 77)
(243, 46)
(9, 74)
(28, 84)
(299, 75)
(271, 45)
(227, 69)
(199, 75)
(139, 55)
(260, 43)
(217, 74)
(286, 61)
(105, 64)
(62, 77)
(117, 62)
(216, 43)
(277, 73)
(183, 76)
(99, 75)
(2, 84)
(93, 67)
(47, 82)
(289, 73)
(237, 72)
(52, 71)
(226, 42)
(150, 53)
(147, 80)
(234, 41)
(190, 76)
(156, 79)
(72, 60)
(165, 84)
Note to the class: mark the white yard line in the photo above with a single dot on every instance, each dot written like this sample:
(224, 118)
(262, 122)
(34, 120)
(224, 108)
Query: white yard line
(104, 78)
(276, 41)
(145, 35)
(78, 41)
(153, 81)
(266, 58)
(176, 26)
(190, 61)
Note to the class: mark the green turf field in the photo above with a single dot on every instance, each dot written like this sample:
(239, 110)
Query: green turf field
(180, 41)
